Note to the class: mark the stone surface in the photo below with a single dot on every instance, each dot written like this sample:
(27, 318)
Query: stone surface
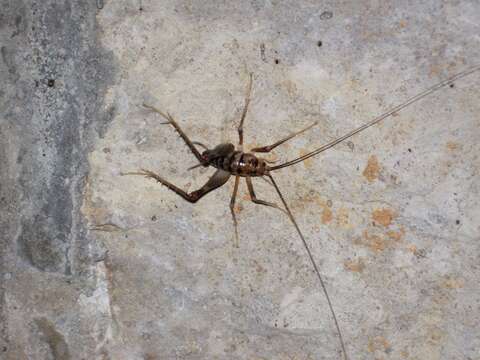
(96, 265)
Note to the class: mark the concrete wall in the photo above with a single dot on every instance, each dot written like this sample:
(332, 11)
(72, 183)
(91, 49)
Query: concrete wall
(95, 265)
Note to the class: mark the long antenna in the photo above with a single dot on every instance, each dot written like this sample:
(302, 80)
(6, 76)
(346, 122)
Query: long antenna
(320, 278)
(379, 118)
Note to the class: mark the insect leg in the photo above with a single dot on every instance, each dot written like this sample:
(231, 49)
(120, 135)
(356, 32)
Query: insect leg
(244, 112)
(184, 136)
(232, 209)
(312, 260)
(258, 201)
(266, 149)
(219, 178)
(200, 144)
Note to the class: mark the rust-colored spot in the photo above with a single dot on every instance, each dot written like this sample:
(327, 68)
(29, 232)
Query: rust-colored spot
(453, 283)
(238, 208)
(305, 200)
(383, 216)
(412, 248)
(396, 235)
(342, 217)
(372, 170)
(402, 23)
(354, 266)
(327, 215)
(375, 242)
(452, 146)
(379, 343)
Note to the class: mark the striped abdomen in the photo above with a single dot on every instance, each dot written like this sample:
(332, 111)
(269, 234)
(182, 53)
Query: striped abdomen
(240, 163)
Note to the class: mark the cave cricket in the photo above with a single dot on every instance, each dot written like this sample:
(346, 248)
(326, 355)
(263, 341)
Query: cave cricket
(234, 161)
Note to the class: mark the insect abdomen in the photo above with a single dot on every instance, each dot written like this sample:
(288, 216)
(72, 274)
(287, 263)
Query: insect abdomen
(241, 164)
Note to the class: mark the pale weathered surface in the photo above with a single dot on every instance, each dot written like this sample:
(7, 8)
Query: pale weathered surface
(110, 267)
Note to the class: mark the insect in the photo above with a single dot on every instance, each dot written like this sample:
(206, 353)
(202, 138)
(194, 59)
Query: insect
(234, 161)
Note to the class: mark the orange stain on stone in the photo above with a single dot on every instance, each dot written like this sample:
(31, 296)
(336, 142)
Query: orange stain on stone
(238, 208)
(396, 235)
(372, 170)
(383, 216)
(375, 242)
(327, 215)
(453, 283)
(354, 266)
(379, 343)
(412, 248)
(452, 146)
(342, 217)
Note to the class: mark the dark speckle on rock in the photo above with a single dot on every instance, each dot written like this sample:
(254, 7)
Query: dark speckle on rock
(326, 15)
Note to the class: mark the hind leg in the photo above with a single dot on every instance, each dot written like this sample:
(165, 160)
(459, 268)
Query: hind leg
(219, 178)
(254, 197)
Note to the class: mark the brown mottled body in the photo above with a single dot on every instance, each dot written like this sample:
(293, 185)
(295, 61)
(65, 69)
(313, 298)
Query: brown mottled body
(237, 162)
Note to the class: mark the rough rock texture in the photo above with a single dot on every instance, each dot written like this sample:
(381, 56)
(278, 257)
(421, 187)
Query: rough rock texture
(96, 265)
(54, 78)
